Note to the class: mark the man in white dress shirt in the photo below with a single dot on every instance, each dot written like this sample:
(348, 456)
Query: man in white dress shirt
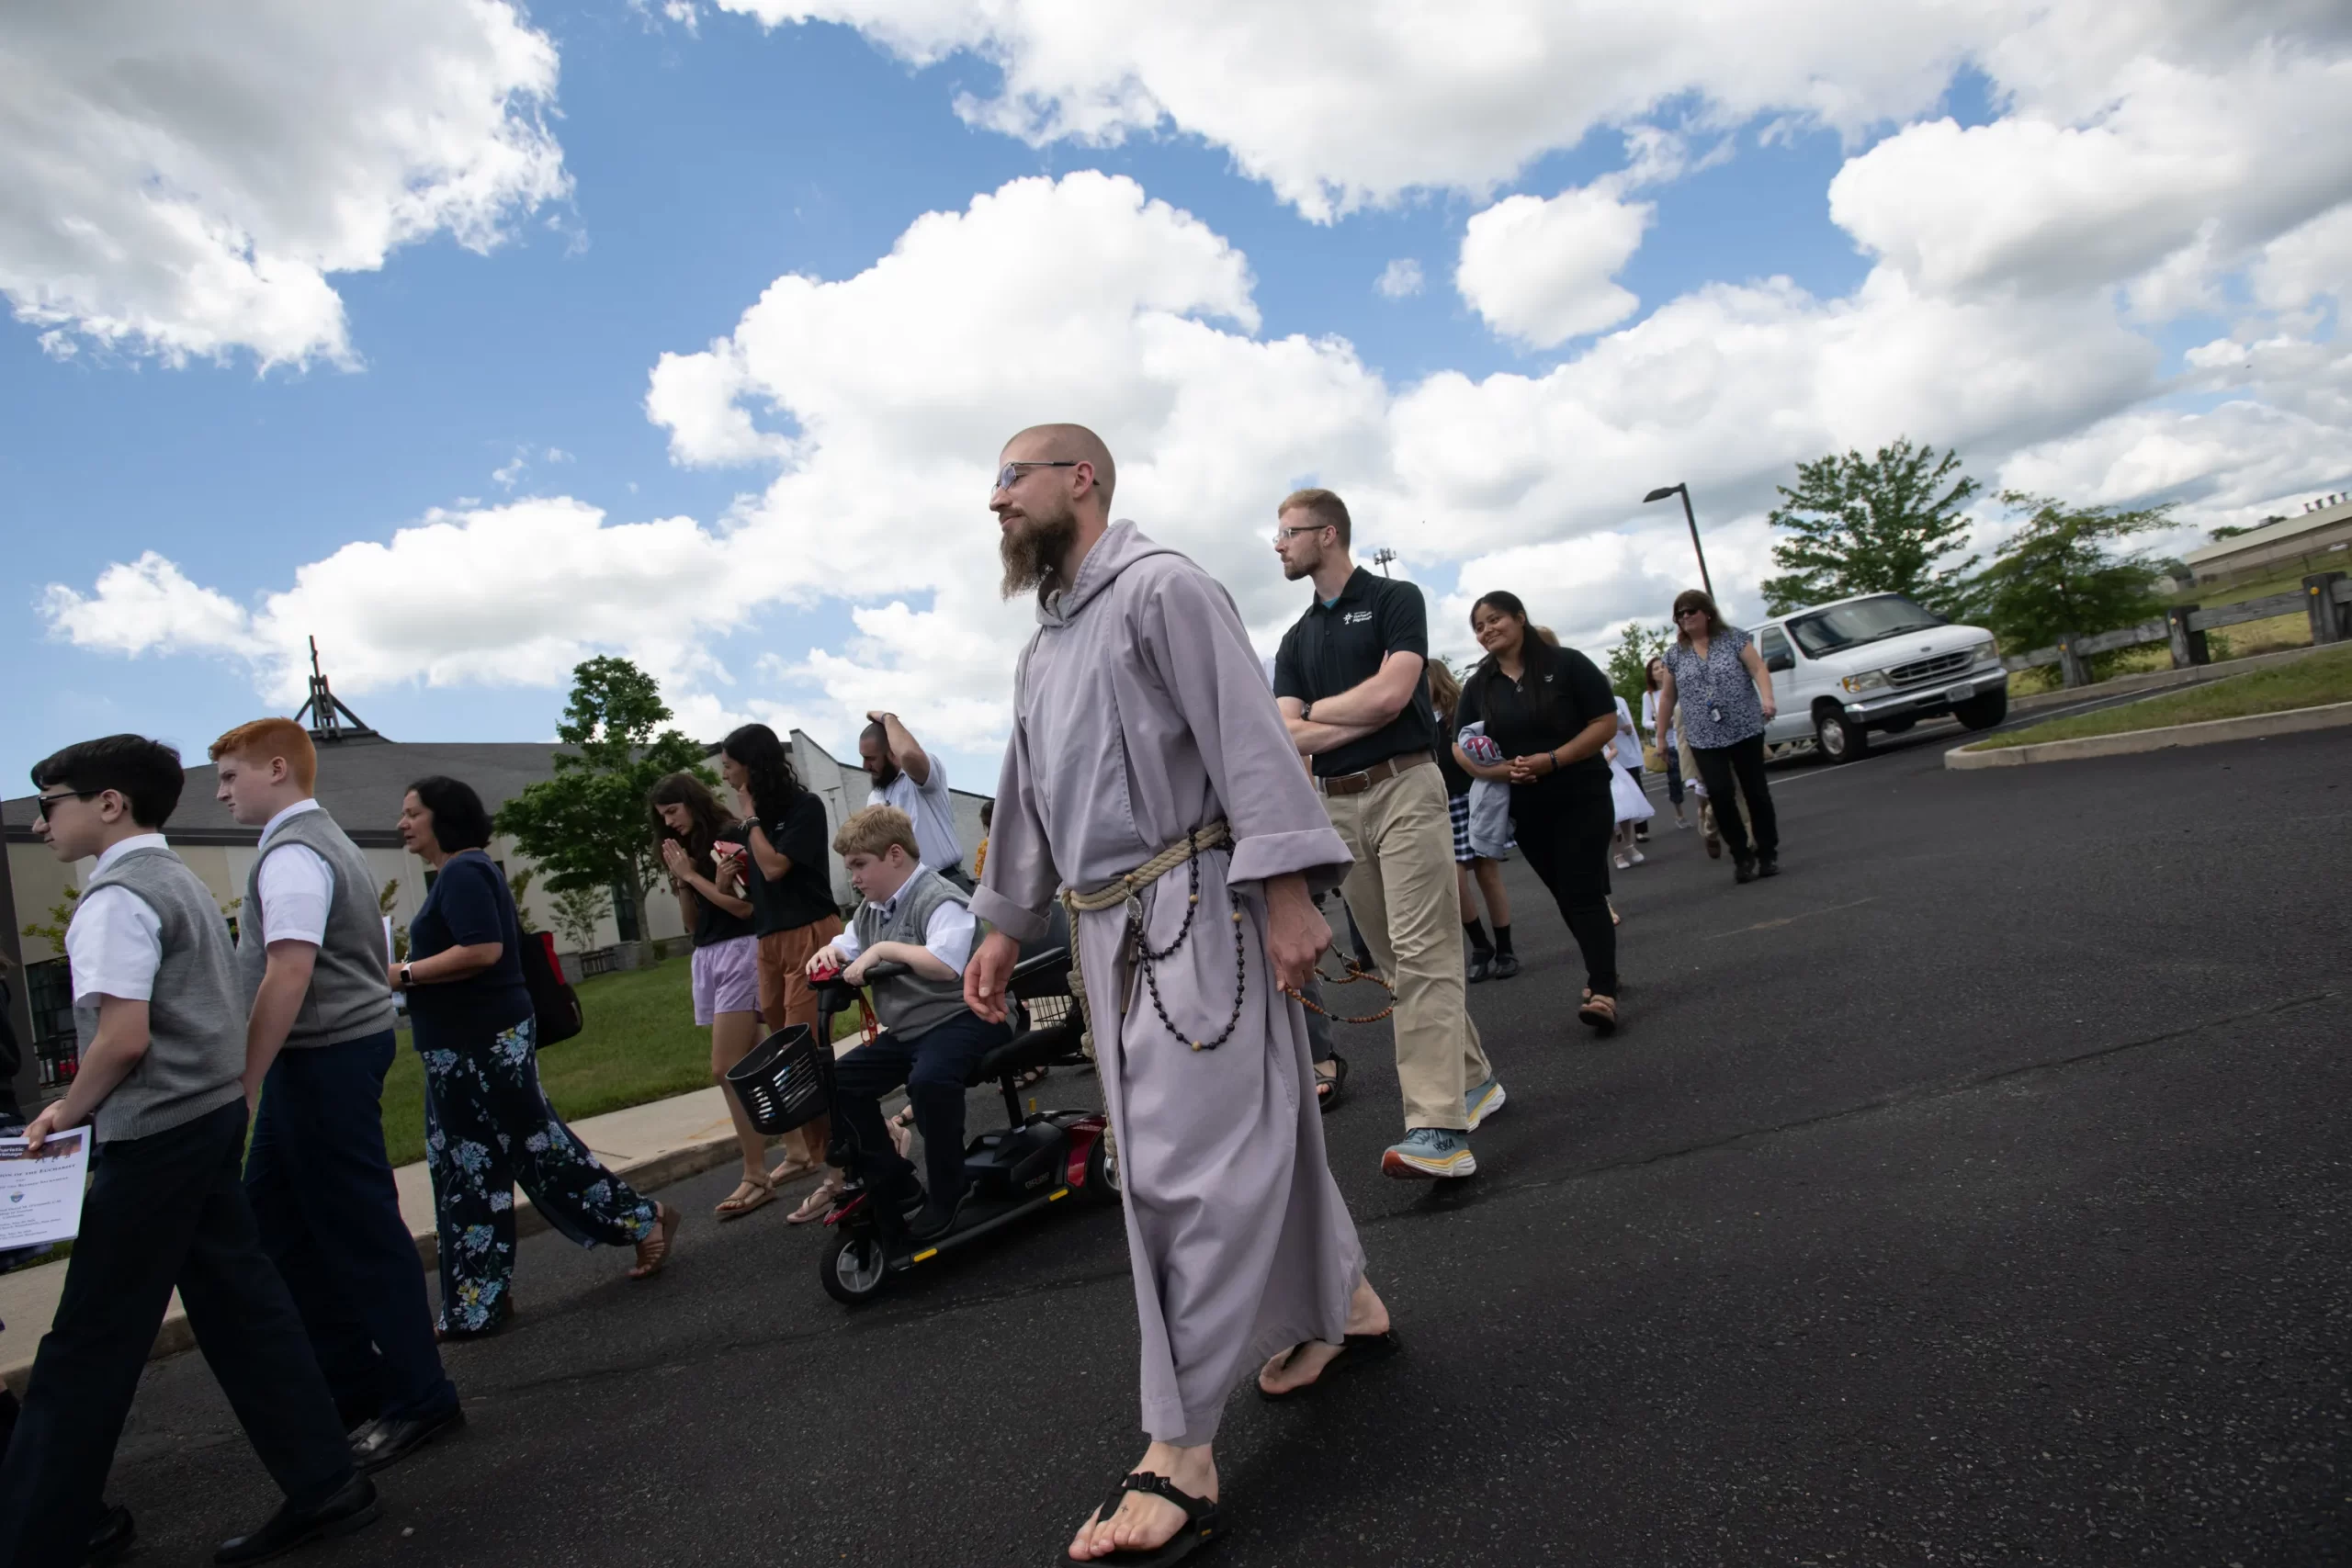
(161, 1035)
(907, 776)
(311, 964)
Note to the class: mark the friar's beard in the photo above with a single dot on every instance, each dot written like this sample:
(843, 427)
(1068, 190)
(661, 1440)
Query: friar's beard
(1033, 549)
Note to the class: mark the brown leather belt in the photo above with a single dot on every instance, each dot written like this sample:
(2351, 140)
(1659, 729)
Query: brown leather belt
(1356, 784)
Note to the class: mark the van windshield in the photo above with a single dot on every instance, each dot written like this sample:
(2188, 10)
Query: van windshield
(1865, 620)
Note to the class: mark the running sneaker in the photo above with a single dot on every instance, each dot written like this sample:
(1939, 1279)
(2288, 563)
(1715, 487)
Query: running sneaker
(1484, 1101)
(1429, 1152)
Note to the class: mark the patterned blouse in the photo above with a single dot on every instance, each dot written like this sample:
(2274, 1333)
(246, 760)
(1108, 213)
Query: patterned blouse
(1718, 698)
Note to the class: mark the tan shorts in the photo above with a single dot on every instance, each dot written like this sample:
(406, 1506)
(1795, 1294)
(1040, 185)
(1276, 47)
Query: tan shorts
(785, 995)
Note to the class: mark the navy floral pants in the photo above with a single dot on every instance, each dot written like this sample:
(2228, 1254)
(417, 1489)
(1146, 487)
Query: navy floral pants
(488, 1126)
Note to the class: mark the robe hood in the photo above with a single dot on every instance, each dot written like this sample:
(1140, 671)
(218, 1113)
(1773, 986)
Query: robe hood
(1120, 547)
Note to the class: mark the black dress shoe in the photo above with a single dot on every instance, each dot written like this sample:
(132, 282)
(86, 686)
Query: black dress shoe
(352, 1508)
(1768, 865)
(113, 1537)
(1743, 870)
(386, 1440)
(1505, 965)
(936, 1222)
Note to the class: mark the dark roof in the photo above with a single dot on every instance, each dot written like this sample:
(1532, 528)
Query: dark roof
(361, 780)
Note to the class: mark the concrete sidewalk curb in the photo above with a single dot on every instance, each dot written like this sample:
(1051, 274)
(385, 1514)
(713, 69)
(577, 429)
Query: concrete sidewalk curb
(2207, 732)
(2150, 682)
(656, 1171)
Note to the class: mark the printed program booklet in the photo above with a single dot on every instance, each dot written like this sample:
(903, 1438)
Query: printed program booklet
(40, 1194)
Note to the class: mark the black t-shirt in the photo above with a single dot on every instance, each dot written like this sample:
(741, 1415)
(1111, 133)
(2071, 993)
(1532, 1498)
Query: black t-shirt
(804, 895)
(469, 905)
(714, 925)
(1339, 646)
(1558, 693)
(1457, 777)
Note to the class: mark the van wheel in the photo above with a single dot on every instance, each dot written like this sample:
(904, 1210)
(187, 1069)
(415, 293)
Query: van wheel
(1841, 739)
(1983, 710)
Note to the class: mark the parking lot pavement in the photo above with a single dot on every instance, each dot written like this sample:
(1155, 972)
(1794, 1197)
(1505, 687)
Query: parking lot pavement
(1976, 1191)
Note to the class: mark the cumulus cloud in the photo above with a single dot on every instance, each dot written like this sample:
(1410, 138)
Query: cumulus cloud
(1400, 280)
(184, 177)
(508, 596)
(1543, 271)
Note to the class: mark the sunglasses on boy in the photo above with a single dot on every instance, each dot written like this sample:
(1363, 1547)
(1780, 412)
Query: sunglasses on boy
(50, 801)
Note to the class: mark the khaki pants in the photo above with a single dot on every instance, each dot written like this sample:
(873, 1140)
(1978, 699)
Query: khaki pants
(1408, 903)
(787, 997)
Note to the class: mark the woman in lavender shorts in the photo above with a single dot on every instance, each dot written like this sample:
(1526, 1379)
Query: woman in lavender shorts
(703, 852)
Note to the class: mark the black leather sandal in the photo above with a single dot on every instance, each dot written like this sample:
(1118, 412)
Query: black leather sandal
(1328, 1090)
(1202, 1522)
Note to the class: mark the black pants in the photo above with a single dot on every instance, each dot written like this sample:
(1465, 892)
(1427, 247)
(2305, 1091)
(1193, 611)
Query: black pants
(163, 1211)
(1565, 831)
(329, 1218)
(936, 1065)
(1745, 759)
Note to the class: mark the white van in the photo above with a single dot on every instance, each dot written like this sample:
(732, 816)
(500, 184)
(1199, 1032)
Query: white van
(1877, 661)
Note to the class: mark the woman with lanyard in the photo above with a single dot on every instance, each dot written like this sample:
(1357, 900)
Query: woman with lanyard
(1551, 711)
(1718, 678)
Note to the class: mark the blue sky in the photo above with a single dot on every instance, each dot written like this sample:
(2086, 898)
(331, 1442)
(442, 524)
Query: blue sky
(706, 164)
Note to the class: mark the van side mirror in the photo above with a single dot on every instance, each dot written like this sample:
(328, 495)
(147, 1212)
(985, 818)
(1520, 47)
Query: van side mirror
(1779, 662)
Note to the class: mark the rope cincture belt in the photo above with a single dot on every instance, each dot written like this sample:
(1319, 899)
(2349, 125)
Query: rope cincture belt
(1128, 891)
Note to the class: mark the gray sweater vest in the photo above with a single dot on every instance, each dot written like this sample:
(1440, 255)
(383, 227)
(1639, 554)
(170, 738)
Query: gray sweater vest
(348, 999)
(910, 1004)
(195, 1028)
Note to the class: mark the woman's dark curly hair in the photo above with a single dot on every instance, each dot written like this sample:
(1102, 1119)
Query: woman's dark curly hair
(460, 821)
(775, 784)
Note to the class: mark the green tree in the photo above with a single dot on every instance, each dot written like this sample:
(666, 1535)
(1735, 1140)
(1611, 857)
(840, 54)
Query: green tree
(60, 915)
(586, 826)
(1882, 525)
(1629, 662)
(2061, 574)
(578, 911)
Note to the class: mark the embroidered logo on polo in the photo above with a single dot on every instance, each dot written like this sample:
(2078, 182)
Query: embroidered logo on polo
(1355, 617)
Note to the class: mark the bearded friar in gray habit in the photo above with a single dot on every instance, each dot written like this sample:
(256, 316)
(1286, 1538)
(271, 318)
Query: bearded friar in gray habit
(1149, 774)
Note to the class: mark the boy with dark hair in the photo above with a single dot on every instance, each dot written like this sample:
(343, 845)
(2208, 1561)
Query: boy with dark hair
(930, 1040)
(310, 967)
(162, 1059)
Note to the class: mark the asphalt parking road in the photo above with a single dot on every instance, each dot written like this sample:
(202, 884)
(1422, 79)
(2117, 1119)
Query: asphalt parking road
(1974, 1192)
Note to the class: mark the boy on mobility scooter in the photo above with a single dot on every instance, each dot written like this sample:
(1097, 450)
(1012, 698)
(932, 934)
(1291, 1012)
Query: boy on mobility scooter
(914, 918)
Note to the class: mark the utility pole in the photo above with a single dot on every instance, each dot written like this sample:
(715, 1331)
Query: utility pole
(1684, 492)
(1382, 556)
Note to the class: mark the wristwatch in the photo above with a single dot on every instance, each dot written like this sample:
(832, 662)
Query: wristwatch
(1306, 710)
(408, 981)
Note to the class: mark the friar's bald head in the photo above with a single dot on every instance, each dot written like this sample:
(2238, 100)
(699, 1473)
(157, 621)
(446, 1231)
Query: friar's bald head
(1054, 483)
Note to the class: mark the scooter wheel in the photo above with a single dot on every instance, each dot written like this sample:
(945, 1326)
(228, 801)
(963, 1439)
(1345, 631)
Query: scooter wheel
(854, 1268)
(1102, 1171)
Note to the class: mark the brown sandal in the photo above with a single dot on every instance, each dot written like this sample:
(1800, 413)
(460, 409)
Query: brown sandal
(654, 1251)
(1601, 1014)
(816, 1205)
(793, 1170)
(750, 1193)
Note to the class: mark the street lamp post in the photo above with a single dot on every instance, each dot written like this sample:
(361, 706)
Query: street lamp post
(1381, 557)
(1684, 492)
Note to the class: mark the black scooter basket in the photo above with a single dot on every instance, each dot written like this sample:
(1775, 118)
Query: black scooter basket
(781, 1083)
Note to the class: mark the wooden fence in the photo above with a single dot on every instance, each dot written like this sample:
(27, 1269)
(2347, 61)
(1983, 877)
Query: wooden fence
(2325, 597)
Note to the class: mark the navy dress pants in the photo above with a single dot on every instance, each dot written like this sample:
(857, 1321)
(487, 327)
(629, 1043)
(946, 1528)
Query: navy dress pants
(162, 1211)
(330, 1216)
(934, 1066)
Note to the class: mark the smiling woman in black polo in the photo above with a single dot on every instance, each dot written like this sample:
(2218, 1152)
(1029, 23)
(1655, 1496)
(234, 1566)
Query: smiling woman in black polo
(1551, 711)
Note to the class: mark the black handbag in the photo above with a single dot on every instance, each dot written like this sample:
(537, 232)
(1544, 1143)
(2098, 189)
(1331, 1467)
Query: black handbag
(552, 997)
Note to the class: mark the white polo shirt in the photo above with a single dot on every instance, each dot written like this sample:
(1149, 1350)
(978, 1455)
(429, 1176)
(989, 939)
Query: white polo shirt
(932, 811)
(116, 942)
(296, 886)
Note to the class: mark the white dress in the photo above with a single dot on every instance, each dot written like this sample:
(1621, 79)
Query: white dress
(1624, 755)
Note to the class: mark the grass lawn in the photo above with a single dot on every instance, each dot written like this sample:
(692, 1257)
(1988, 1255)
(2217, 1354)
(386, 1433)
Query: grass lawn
(641, 1044)
(2325, 677)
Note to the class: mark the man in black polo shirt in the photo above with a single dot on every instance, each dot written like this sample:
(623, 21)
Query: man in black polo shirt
(1349, 679)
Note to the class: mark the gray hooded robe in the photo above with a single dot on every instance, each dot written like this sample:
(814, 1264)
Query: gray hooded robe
(1140, 712)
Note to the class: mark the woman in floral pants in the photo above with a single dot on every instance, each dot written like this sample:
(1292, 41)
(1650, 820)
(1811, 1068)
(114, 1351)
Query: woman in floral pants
(488, 1125)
